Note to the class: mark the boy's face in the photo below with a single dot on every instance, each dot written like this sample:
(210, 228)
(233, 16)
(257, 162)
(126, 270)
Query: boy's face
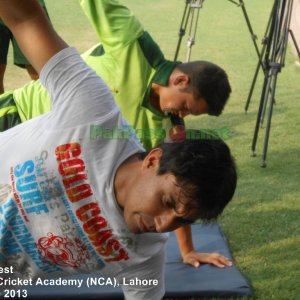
(150, 203)
(175, 99)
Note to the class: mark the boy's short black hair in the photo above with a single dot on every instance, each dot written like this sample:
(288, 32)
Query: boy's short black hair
(208, 81)
(205, 170)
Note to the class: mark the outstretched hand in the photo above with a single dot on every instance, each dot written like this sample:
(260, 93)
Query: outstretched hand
(195, 259)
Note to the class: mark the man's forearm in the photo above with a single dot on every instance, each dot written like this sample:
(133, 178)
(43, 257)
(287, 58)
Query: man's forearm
(15, 12)
(29, 25)
(184, 239)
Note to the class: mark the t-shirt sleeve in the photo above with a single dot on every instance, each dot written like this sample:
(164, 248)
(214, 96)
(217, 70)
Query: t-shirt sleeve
(114, 23)
(78, 94)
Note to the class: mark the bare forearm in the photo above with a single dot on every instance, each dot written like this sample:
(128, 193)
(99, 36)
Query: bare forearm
(29, 25)
(14, 12)
(184, 239)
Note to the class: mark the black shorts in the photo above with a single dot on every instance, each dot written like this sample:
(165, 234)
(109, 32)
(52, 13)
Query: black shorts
(5, 38)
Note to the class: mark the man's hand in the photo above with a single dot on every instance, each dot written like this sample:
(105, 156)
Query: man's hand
(191, 257)
(195, 259)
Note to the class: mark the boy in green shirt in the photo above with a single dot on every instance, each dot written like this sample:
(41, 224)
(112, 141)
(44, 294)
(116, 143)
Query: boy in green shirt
(145, 85)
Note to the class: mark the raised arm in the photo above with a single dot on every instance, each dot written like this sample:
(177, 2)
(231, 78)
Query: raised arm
(29, 24)
(114, 23)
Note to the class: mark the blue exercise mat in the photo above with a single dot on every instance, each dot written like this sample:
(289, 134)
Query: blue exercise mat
(185, 282)
(182, 281)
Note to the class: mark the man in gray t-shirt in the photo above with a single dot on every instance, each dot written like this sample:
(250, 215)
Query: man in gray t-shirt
(72, 204)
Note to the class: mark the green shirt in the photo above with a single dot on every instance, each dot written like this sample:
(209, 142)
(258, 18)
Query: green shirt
(127, 59)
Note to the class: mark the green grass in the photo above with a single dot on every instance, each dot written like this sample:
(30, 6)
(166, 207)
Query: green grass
(262, 222)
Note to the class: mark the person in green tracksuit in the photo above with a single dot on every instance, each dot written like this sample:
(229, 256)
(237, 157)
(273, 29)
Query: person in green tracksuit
(145, 85)
(19, 59)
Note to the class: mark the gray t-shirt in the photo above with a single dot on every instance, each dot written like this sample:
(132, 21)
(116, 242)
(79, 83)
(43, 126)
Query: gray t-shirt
(58, 212)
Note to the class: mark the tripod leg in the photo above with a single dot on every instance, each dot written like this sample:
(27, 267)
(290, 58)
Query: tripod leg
(287, 14)
(233, 2)
(278, 39)
(190, 41)
(184, 21)
(193, 27)
(253, 35)
(295, 42)
(266, 86)
(254, 79)
(266, 42)
(280, 46)
(268, 127)
(262, 116)
(263, 99)
(293, 37)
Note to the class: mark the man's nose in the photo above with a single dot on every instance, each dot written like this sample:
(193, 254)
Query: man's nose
(166, 222)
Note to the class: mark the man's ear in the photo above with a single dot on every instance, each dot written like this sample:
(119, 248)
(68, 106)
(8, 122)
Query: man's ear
(152, 159)
(181, 80)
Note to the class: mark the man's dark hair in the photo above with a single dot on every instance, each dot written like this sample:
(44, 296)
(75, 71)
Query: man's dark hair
(206, 172)
(208, 81)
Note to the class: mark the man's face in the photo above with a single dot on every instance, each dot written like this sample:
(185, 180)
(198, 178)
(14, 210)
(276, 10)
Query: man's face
(175, 99)
(150, 205)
